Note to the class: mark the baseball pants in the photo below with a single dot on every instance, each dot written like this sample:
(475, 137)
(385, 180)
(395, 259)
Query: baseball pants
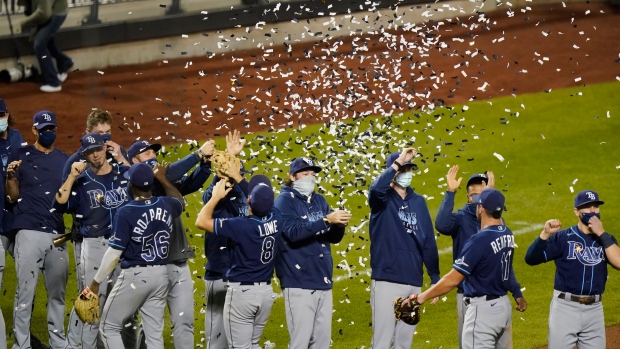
(35, 252)
(488, 324)
(181, 305)
(138, 288)
(214, 316)
(308, 317)
(572, 323)
(246, 311)
(2, 324)
(461, 308)
(387, 332)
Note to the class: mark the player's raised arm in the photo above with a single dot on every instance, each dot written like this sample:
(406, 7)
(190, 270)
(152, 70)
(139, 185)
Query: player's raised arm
(609, 243)
(205, 219)
(65, 190)
(159, 172)
(11, 188)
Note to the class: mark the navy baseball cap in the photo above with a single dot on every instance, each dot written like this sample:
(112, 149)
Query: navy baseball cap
(491, 199)
(141, 176)
(585, 197)
(393, 156)
(258, 179)
(261, 199)
(90, 141)
(303, 164)
(3, 108)
(477, 178)
(139, 146)
(43, 118)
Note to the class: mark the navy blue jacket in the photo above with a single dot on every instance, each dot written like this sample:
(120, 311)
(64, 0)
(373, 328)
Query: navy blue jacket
(461, 226)
(401, 235)
(13, 141)
(218, 249)
(305, 259)
(580, 261)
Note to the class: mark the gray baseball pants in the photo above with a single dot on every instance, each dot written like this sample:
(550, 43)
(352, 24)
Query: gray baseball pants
(2, 324)
(387, 332)
(215, 292)
(308, 317)
(488, 324)
(572, 323)
(35, 252)
(181, 305)
(246, 311)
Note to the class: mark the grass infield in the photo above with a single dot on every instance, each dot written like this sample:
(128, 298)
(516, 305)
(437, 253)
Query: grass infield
(543, 148)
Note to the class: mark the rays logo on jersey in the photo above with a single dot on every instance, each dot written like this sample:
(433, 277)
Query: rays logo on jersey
(314, 216)
(109, 199)
(409, 219)
(589, 256)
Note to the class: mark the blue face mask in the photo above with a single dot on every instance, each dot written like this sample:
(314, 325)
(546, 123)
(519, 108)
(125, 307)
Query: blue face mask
(404, 179)
(151, 162)
(585, 217)
(106, 137)
(46, 139)
(4, 124)
(471, 208)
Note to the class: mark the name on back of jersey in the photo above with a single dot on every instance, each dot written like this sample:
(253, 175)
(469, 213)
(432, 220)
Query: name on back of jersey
(504, 241)
(153, 214)
(268, 228)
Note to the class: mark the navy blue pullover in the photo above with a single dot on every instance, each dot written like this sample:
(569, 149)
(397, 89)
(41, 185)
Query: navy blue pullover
(461, 226)
(305, 259)
(401, 235)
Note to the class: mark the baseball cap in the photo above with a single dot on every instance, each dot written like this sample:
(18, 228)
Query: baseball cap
(139, 146)
(303, 164)
(43, 118)
(90, 141)
(261, 199)
(477, 178)
(491, 199)
(257, 180)
(3, 108)
(587, 197)
(393, 156)
(141, 176)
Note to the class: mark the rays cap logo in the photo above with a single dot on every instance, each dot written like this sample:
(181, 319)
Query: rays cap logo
(587, 197)
(91, 141)
(303, 164)
(139, 146)
(43, 118)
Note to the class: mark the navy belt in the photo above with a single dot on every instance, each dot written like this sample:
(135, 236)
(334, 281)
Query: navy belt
(487, 298)
(247, 283)
(581, 299)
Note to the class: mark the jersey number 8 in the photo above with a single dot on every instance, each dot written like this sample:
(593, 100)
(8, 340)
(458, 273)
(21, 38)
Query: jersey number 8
(269, 244)
(155, 245)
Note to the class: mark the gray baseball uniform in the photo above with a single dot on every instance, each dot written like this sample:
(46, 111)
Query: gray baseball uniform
(2, 324)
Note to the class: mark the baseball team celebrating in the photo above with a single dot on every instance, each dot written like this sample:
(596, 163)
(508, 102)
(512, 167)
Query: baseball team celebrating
(131, 248)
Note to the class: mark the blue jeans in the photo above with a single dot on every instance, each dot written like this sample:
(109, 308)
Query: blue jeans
(45, 48)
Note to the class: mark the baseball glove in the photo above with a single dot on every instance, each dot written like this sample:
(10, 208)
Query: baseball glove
(223, 163)
(409, 312)
(87, 306)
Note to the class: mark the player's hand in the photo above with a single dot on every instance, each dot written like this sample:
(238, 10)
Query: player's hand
(234, 143)
(113, 148)
(12, 169)
(94, 287)
(552, 226)
(453, 183)
(491, 179)
(339, 217)
(234, 171)
(220, 190)
(207, 148)
(77, 168)
(521, 304)
(406, 155)
(596, 226)
(160, 170)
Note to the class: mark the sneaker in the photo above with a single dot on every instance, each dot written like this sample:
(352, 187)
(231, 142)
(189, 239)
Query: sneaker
(62, 77)
(50, 88)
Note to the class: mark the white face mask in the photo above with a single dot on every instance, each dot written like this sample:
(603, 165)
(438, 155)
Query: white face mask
(4, 124)
(305, 185)
(404, 179)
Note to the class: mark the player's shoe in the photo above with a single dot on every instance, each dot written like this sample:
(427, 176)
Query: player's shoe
(50, 88)
(62, 77)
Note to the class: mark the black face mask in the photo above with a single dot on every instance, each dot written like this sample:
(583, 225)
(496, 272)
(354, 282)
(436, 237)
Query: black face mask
(585, 217)
(46, 139)
(471, 208)
(106, 137)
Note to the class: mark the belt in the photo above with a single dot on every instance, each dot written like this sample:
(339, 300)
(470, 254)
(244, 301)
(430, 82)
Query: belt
(487, 298)
(247, 283)
(581, 299)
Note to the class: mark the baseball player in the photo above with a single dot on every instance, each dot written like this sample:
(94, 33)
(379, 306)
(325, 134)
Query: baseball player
(93, 191)
(401, 241)
(217, 248)
(581, 253)
(484, 266)
(305, 264)
(141, 235)
(180, 297)
(33, 178)
(249, 296)
(461, 226)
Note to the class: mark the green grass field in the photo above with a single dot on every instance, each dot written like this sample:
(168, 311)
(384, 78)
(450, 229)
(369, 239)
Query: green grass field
(551, 144)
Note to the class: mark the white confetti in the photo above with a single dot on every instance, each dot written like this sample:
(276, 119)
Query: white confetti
(499, 157)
